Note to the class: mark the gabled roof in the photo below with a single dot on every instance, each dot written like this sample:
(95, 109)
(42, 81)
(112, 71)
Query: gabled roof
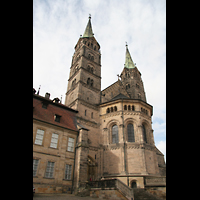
(68, 115)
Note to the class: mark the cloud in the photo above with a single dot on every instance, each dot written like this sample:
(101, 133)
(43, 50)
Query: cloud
(161, 145)
(58, 24)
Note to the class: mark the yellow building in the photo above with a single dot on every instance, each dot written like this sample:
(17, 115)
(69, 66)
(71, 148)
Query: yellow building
(54, 137)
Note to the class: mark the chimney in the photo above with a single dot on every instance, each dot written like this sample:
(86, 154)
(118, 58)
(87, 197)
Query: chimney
(56, 100)
(47, 95)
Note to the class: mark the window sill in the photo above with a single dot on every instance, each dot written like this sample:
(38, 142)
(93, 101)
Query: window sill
(48, 178)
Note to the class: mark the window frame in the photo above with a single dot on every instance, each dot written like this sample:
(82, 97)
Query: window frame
(114, 140)
(35, 170)
(50, 172)
(68, 172)
(37, 138)
(69, 146)
(130, 135)
(52, 142)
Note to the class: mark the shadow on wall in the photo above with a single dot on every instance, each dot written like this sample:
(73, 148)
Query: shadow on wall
(112, 163)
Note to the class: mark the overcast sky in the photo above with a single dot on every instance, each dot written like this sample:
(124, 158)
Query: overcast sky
(58, 24)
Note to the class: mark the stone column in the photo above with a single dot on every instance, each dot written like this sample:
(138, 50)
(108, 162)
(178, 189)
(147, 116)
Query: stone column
(81, 164)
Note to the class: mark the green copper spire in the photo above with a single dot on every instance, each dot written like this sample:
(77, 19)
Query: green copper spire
(128, 60)
(88, 31)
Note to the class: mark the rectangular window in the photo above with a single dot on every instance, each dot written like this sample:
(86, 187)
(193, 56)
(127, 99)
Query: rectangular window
(49, 170)
(54, 140)
(57, 118)
(71, 145)
(39, 137)
(35, 165)
(68, 171)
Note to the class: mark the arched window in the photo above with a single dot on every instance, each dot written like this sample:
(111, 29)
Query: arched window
(85, 112)
(130, 130)
(91, 82)
(88, 81)
(133, 184)
(115, 108)
(125, 107)
(92, 115)
(133, 108)
(115, 134)
(73, 83)
(144, 133)
(111, 109)
(95, 48)
(108, 110)
(129, 107)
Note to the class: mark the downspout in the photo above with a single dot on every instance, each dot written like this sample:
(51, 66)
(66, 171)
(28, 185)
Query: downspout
(123, 137)
(74, 163)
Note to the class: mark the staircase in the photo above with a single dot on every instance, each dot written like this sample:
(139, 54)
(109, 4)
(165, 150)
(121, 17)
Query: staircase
(107, 185)
(141, 194)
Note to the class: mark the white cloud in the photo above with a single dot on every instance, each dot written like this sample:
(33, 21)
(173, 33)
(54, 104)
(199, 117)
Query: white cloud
(162, 147)
(58, 24)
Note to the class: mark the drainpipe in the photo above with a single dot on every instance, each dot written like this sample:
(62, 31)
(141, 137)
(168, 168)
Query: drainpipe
(74, 162)
(123, 137)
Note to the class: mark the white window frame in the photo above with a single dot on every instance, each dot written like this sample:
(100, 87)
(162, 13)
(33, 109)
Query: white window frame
(50, 169)
(68, 172)
(54, 140)
(70, 146)
(39, 137)
(35, 166)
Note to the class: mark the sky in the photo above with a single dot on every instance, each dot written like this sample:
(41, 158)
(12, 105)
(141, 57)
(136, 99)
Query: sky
(58, 24)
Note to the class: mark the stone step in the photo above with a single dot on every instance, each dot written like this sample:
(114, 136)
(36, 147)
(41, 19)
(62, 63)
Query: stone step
(141, 194)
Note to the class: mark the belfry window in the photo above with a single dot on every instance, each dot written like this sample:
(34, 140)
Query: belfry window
(144, 133)
(115, 134)
(130, 130)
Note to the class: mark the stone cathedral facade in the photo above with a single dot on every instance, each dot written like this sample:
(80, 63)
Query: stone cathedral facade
(115, 133)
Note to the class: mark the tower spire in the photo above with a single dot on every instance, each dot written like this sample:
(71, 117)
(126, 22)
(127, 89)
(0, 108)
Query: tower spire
(88, 30)
(128, 60)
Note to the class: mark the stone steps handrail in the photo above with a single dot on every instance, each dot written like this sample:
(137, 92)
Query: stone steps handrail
(112, 184)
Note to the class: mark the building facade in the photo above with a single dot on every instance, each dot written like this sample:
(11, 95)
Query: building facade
(119, 142)
(54, 136)
(97, 134)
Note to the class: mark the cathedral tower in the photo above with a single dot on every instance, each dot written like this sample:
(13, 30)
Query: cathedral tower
(131, 78)
(83, 94)
(84, 84)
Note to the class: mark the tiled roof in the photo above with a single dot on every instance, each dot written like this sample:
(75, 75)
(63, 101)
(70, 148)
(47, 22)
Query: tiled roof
(68, 115)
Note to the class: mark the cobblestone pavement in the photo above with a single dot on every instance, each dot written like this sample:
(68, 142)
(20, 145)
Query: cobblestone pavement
(60, 197)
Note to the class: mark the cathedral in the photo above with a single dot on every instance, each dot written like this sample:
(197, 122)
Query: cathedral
(115, 124)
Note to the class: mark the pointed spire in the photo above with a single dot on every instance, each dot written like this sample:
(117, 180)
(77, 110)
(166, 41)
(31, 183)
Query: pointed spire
(88, 31)
(128, 60)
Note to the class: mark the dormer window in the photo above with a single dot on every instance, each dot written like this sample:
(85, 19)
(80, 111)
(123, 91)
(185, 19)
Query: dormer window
(44, 105)
(57, 118)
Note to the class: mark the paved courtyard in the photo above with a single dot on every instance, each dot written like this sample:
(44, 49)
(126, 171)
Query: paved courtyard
(60, 197)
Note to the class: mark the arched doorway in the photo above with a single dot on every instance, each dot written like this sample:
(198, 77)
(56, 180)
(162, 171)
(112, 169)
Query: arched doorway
(133, 184)
(92, 169)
